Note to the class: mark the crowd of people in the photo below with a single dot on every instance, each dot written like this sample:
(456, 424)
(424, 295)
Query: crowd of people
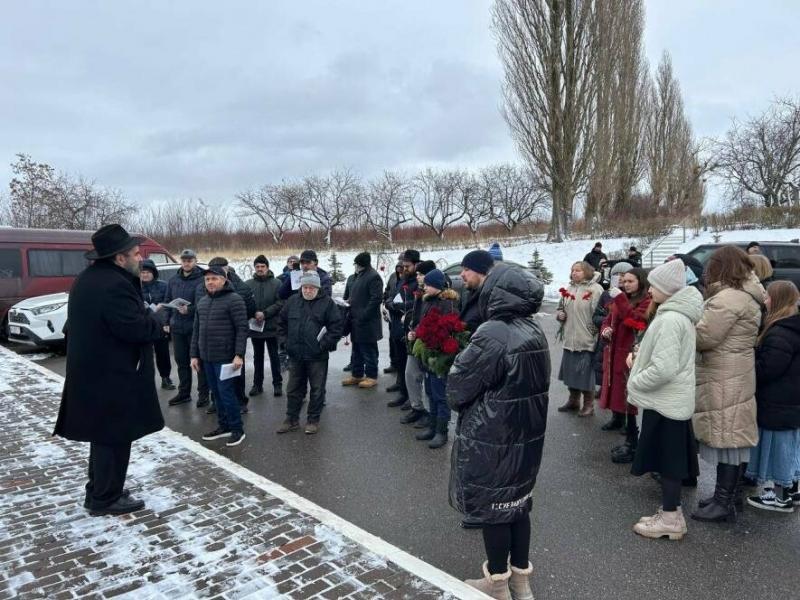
(691, 362)
(709, 355)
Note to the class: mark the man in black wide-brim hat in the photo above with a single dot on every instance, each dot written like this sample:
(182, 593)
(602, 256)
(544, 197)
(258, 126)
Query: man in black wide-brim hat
(109, 396)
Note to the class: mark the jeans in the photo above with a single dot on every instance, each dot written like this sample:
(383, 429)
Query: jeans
(229, 416)
(302, 374)
(258, 361)
(163, 361)
(239, 385)
(365, 359)
(436, 388)
(108, 466)
(181, 346)
(415, 383)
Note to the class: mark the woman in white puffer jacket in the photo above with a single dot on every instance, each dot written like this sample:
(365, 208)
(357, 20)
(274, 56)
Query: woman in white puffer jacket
(662, 382)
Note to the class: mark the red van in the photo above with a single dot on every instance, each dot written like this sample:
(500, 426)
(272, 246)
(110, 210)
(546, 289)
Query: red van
(34, 262)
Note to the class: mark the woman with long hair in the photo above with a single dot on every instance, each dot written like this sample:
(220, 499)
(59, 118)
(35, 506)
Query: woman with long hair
(776, 458)
(625, 321)
(762, 268)
(725, 412)
(578, 303)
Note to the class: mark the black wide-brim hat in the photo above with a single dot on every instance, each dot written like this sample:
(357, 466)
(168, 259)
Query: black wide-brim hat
(110, 240)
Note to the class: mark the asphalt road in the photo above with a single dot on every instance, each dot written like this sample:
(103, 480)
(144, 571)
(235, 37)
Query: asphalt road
(366, 467)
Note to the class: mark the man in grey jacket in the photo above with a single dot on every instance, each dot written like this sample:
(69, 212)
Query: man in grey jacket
(219, 339)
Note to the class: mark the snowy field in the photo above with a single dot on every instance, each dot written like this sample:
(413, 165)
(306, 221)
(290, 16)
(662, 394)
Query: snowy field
(558, 258)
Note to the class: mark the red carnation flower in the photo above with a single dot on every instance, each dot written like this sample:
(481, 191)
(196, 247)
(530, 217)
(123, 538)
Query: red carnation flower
(635, 324)
(587, 295)
(450, 346)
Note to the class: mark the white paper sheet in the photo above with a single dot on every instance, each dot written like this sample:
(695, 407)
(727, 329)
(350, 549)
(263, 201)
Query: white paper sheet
(228, 372)
(322, 333)
(256, 325)
(177, 303)
(295, 278)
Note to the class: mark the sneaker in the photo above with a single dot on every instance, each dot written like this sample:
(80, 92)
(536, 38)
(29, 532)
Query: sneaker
(769, 501)
(277, 390)
(312, 428)
(368, 383)
(287, 426)
(166, 384)
(237, 437)
(795, 493)
(216, 434)
(352, 380)
(256, 390)
(176, 400)
(211, 409)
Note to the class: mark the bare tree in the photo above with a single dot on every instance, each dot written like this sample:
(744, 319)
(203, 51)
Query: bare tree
(761, 157)
(386, 204)
(471, 198)
(273, 206)
(546, 50)
(436, 203)
(514, 194)
(329, 201)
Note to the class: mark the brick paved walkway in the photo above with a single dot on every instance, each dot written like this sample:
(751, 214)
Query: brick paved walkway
(211, 529)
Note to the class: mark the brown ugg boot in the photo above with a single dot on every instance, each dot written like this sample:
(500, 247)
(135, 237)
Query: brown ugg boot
(573, 403)
(588, 405)
(494, 586)
(519, 585)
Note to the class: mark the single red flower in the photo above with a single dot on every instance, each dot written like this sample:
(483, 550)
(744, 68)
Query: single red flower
(635, 324)
(587, 295)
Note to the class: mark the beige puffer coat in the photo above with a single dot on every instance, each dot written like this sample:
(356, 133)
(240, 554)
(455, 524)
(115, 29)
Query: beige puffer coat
(580, 334)
(725, 404)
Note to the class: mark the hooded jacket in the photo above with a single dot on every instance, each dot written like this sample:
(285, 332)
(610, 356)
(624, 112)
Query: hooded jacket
(778, 376)
(155, 292)
(220, 327)
(663, 375)
(265, 295)
(499, 385)
(725, 416)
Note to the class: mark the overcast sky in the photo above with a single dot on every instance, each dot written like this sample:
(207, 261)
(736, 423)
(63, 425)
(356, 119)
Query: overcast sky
(183, 99)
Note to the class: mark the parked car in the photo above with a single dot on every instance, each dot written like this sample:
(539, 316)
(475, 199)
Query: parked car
(36, 262)
(454, 273)
(784, 256)
(42, 320)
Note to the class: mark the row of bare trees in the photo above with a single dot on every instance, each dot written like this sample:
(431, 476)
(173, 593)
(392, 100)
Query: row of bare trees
(436, 199)
(585, 113)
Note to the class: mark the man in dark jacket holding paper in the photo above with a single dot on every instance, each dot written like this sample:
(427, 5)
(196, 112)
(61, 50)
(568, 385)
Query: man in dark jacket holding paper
(311, 324)
(153, 293)
(219, 340)
(265, 288)
(109, 397)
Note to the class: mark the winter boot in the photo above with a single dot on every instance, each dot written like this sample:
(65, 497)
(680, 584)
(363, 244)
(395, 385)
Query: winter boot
(721, 507)
(519, 585)
(494, 586)
(738, 495)
(588, 404)
(626, 452)
(167, 384)
(440, 439)
(424, 422)
(352, 380)
(617, 422)
(413, 416)
(663, 523)
(573, 403)
(397, 402)
(430, 432)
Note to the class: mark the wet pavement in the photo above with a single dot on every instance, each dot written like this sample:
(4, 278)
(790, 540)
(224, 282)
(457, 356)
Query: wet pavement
(367, 468)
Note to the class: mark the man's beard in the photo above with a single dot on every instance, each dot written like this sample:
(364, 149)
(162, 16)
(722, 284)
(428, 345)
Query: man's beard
(310, 295)
(133, 267)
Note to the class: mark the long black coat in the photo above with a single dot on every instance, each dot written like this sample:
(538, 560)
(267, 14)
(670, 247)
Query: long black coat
(300, 322)
(110, 393)
(778, 376)
(366, 295)
(499, 385)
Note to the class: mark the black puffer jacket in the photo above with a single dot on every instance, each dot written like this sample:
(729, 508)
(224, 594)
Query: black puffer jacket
(245, 291)
(186, 287)
(499, 386)
(265, 295)
(301, 321)
(778, 376)
(220, 327)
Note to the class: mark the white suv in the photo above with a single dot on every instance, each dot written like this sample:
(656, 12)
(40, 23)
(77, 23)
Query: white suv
(39, 321)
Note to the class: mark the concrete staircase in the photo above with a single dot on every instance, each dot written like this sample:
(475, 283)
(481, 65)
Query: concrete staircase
(660, 249)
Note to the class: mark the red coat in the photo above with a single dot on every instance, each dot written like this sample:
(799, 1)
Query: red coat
(613, 393)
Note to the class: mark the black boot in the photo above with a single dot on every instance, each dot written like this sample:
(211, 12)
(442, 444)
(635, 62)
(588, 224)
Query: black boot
(347, 368)
(430, 432)
(397, 402)
(617, 422)
(721, 507)
(413, 416)
(440, 439)
(424, 422)
(738, 494)
(624, 454)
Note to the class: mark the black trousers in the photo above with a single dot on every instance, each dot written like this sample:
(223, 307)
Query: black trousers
(401, 354)
(108, 466)
(238, 386)
(181, 346)
(258, 361)
(163, 361)
(507, 540)
(302, 375)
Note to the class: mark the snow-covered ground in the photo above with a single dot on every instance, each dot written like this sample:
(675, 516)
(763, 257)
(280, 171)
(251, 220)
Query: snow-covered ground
(558, 258)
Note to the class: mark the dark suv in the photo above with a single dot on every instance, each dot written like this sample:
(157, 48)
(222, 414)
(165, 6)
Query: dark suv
(784, 256)
(454, 273)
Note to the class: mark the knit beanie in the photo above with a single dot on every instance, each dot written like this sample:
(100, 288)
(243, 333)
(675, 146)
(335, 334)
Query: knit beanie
(669, 278)
(411, 256)
(310, 278)
(620, 268)
(218, 261)
(425, 267)
(435, 279)
(363, 260)
(260, 260)
(479, 261)
(496, 252)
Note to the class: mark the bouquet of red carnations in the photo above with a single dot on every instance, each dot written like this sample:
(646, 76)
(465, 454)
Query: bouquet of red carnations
(439, 338)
